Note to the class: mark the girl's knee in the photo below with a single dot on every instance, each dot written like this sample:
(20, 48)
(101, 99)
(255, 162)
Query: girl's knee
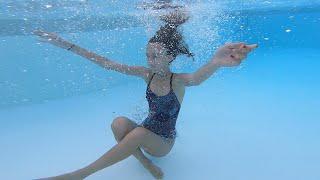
(119, 123)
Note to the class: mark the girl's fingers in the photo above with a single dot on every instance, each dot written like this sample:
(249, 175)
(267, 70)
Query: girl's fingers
(37, 32)
(241, 50)
(235, 56)
(45, 35)
(242, 56)
(242, 46)
(251, 47)
(235, 45)
(238, 56)
(40, 33)
(245, 50)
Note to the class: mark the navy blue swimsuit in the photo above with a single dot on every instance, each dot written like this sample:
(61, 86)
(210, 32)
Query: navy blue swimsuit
(163, 112)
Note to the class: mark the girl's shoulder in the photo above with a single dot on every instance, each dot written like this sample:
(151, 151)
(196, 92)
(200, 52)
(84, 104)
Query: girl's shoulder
(147, 75)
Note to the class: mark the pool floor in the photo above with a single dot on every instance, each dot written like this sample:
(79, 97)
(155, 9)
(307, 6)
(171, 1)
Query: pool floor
(259, 122)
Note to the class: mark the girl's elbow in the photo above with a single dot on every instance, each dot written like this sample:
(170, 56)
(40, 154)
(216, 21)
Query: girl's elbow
(195, 83)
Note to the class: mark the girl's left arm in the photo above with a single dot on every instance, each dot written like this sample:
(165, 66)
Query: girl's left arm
(226, 56)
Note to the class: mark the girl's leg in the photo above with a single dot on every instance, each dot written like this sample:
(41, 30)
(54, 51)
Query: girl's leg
(138, 137)
(121, 126)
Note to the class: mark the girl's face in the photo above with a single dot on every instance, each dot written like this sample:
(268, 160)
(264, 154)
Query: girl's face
(158, 57)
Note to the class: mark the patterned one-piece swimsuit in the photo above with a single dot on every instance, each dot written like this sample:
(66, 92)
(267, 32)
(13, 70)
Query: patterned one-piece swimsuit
(163, 112)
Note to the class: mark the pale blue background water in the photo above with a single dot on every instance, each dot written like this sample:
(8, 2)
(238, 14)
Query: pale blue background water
(256, 121)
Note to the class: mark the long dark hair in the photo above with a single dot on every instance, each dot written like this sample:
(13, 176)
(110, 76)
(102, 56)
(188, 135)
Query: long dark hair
(172, 39)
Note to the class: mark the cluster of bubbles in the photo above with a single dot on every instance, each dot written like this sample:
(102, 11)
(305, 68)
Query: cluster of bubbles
(203, 32)
(139, 110)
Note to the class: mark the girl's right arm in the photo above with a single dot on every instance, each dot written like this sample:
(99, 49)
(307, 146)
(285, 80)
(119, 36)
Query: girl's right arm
(139, 71)
(54, 39)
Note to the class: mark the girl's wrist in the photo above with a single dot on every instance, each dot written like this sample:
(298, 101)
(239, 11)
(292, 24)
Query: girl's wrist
(216, 63)
(70, 47)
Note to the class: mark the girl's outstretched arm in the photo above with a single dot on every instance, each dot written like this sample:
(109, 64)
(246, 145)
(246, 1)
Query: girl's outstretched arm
(56, 40)
(226, 56)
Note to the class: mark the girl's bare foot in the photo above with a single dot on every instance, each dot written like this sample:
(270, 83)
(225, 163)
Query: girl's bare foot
(154, 170)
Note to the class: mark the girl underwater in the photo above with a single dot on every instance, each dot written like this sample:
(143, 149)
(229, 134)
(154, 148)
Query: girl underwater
(165, 92)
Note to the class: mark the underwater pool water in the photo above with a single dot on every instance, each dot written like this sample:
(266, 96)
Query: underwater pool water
(257, 121)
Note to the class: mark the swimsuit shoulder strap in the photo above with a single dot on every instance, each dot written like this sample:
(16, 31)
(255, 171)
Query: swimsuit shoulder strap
(171, 81)
(151, 79)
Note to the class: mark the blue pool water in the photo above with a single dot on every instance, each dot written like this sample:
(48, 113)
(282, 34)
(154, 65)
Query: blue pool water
(257, 121)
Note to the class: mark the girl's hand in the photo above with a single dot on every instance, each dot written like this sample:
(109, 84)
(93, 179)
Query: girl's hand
(232, 54)
(52, 39)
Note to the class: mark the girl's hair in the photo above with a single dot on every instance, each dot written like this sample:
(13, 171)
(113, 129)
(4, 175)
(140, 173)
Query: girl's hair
(172, 39)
